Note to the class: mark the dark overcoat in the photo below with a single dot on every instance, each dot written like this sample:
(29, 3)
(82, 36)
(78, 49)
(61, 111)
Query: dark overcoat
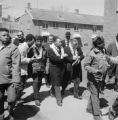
(56, 68)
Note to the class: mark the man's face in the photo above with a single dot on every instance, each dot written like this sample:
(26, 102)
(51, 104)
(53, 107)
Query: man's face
(20, 35)
(68, 37)
(38, 43)
(50, 39)
(30, 43)
(74, 43)
(4, 37)
(58, 42)
(101, 46)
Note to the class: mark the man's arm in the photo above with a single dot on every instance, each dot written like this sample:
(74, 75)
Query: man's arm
(87, 64)
(16, 60)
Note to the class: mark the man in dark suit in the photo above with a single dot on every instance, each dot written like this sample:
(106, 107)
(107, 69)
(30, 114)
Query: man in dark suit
(56, 57)
(67, 74)
(66, 41)
(112, 50)
(47, 46)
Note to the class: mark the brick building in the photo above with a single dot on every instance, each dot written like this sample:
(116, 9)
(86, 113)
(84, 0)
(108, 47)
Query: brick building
(40, 21)
(9, 23)
(110, 20)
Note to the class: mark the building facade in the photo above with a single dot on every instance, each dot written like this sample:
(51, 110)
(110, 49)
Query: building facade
(39, 21)
(110, 20)
(9, 23)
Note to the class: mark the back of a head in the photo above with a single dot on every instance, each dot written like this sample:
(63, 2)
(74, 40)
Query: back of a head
(98, 40)
(55, 38)
(4, 30)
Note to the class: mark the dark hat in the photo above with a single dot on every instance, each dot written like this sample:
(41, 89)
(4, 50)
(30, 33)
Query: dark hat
(98, 40)
(68, 34)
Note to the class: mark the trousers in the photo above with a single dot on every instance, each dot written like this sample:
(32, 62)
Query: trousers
(37, 82)
(11, 97)
(58, 93)
(94, 103)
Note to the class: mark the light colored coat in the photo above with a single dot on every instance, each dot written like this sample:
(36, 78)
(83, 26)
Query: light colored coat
(9, 64)
(23, 48)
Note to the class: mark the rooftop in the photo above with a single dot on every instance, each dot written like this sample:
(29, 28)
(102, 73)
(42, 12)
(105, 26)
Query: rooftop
(68, 17)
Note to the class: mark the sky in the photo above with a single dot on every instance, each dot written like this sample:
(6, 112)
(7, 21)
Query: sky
(17, 7)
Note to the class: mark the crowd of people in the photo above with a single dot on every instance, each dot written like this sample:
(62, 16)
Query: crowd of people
(59, 62)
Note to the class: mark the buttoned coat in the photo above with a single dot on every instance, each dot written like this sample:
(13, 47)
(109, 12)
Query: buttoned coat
(9, 64)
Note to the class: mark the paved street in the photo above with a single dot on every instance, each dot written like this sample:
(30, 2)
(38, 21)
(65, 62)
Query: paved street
(72, 109)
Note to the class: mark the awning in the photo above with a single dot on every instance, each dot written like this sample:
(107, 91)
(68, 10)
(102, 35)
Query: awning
(45, 33)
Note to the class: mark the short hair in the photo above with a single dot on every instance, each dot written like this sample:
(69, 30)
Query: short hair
(21, 32)
(55, 38)
(29, 37)
(68, 34)
(39, 37)
(4, 29)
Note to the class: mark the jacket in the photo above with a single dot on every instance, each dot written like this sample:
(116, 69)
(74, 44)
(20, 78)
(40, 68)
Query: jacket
(95, 61)
(9, 64)
(23, 48)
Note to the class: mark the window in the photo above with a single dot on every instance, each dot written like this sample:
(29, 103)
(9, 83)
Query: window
(76, 27)
(94, 28)
(45, 25)
(67, 26)
(55, 25)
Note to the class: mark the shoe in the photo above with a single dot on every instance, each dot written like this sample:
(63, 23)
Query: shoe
(59, 103)
(9, 118)
(37, 103)
(111, 115)
(97, 117)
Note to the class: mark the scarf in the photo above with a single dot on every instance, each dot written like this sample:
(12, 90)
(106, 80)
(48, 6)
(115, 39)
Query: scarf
(38, 53)
(73, 51)
(56, 50)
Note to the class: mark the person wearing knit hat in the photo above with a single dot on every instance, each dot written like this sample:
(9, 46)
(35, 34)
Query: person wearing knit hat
(96, 66)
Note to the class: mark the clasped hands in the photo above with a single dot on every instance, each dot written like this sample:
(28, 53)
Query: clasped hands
(77, 60)
(33, 59)
(63, 55)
